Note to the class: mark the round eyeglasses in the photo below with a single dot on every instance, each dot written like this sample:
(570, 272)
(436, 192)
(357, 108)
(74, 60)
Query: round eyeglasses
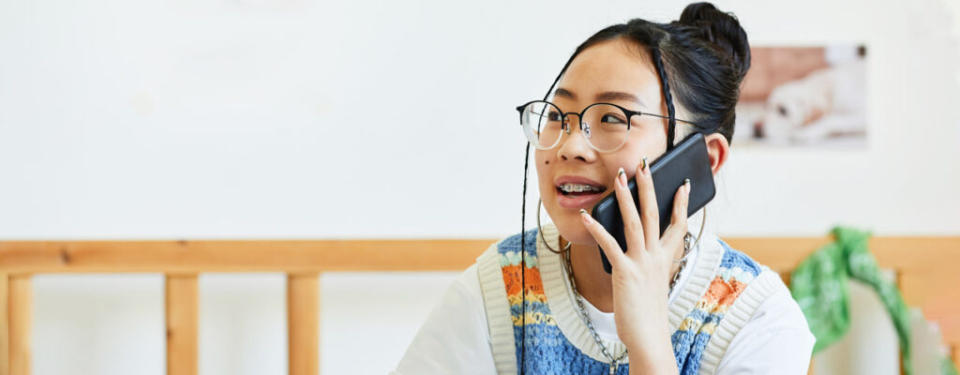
(604, 125)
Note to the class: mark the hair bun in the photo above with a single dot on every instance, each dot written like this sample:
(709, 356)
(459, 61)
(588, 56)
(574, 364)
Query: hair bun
(721, 29)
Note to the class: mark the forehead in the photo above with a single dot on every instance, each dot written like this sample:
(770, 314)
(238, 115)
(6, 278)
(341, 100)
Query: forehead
(612, 66)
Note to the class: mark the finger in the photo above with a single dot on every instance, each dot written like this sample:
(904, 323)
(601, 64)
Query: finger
(632, 228)
(681, 201)
(649, 215)
(678, 219)
(606, 241)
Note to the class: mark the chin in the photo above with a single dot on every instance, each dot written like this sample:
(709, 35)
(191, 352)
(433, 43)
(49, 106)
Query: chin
(567, 220)
(571, 229)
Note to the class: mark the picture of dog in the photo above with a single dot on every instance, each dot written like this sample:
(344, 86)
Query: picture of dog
(823, 106)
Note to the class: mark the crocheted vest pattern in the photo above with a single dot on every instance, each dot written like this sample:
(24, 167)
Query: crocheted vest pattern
(549, 351)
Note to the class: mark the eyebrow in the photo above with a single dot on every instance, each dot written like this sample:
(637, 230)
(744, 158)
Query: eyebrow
(603, 96)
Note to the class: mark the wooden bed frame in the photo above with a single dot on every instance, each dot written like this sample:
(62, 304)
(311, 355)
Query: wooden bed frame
(926, 269)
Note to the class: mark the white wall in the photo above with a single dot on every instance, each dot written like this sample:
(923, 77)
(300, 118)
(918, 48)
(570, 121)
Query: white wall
(307, 119)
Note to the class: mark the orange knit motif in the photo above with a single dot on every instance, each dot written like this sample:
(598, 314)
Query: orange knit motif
(511, 278)
(723, 292)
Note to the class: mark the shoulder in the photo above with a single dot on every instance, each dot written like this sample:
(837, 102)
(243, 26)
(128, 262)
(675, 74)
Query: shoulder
(757, 287)
(516, 242)
(775, 339)
(734, 259)
(467, 283)
(774, 336)
(505, 253)
(454, 336)
(738, 283)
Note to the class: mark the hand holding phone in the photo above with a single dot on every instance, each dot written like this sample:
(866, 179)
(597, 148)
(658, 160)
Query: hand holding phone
(689, 159)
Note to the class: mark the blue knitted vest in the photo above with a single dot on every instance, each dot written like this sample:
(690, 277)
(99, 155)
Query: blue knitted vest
(548, 350)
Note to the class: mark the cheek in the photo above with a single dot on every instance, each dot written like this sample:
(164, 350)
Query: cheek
(629, 157)
(542, 158)
(649, 143)
(544, 170)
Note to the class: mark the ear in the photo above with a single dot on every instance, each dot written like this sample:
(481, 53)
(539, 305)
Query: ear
(717, 149)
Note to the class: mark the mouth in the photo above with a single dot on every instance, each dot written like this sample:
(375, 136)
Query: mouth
(576, 193)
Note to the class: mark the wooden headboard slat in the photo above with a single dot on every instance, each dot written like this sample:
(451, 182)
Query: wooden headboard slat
(906, 254)
(925, 266)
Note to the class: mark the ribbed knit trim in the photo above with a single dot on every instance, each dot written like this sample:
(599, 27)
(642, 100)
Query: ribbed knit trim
(706, 267)
(498, 310)
(562, 305)
(736, 317)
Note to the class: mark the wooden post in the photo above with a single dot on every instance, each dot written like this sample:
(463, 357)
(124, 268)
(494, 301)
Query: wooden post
(181, 318)
(303, 321)
(4, 325)
(20, 307)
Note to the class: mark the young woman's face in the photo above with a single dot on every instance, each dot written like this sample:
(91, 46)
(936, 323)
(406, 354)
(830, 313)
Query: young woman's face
(613, 72)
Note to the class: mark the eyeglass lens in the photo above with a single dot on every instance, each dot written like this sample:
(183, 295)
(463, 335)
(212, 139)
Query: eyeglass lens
(604, 126)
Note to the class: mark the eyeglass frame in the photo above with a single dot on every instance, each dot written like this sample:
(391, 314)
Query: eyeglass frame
(566, 129)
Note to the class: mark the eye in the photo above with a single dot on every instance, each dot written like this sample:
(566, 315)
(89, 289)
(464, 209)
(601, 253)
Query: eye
(613, 119)
(782, 110)
(553, 116)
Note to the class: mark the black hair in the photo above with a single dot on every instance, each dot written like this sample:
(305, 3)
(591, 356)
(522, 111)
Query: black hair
(703, 56)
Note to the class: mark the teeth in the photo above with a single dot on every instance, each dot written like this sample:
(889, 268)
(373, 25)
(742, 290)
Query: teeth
(577, 188)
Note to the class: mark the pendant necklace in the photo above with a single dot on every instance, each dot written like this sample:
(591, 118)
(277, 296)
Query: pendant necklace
(615, 362)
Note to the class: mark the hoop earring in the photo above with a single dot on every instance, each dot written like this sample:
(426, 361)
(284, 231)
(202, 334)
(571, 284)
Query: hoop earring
(703, 223)
(689, 237)
(540, 230)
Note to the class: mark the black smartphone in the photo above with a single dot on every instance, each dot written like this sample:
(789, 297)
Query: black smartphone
(688, 159)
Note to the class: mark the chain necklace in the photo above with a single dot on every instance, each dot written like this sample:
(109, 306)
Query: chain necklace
(615, 362)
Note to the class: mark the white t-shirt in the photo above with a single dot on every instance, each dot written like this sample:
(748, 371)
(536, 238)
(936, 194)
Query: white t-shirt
(455, 338)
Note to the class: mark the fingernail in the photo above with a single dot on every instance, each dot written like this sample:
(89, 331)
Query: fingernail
(582, 211)
(622, 177)
(584, 216)
(643, 164)
(686, 185)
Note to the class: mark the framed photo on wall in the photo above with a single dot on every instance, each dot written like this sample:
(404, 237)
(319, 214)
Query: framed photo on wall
(812, 97)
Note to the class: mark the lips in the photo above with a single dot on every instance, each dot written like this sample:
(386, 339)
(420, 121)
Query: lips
(577, 200)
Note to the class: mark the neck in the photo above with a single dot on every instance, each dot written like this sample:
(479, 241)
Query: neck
(595, 284)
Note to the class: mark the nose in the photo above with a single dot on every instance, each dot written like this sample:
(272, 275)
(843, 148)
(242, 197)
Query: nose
(575, 145)
(758, 129)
